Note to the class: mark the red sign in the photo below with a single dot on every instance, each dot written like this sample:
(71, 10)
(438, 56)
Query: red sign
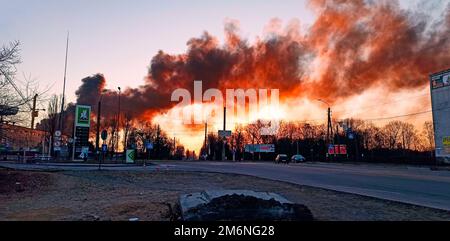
(337, 149)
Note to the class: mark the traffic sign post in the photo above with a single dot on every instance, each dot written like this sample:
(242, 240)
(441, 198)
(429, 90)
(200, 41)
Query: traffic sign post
(149, 147)
(104, 135)
(104, 150)
(130, 156)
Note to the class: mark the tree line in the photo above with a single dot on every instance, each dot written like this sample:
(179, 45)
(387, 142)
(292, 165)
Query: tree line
(395, 141)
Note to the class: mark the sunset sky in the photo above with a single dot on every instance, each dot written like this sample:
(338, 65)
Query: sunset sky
(119, 38)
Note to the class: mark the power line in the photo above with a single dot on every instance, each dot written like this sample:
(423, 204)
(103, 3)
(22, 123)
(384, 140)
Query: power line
(399, 116)
(405, 115)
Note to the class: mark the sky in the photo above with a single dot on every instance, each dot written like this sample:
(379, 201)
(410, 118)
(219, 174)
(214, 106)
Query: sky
(118, 38)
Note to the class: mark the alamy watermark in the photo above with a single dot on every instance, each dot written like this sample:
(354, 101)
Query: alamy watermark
(240, 105)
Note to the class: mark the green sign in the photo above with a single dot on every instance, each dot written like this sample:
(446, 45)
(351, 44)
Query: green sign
(83, 116)
(131, 156)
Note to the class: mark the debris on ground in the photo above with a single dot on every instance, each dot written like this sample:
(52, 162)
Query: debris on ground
(243, 205)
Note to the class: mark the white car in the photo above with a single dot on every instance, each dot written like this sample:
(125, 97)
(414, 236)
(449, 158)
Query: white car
(298, 158)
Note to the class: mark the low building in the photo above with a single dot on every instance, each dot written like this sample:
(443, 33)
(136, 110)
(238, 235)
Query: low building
(17, 137)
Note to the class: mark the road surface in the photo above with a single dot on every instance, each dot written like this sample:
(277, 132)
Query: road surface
(414, 185)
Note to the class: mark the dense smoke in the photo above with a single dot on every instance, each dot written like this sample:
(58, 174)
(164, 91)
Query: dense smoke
(351, 47)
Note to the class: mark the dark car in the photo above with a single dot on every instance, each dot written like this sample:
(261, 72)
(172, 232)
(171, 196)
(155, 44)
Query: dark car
(298, 158)
(282, 158)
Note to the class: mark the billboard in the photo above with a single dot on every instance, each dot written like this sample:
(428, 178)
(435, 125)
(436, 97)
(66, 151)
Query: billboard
(337, 149)
(263, 148)
(440, 101)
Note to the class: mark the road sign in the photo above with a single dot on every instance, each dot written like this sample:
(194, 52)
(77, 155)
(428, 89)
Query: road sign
(131, 156)
(104, 148)
(224, 133)
(104, 135)
(83, 116)
(351, 136)
(149, 146)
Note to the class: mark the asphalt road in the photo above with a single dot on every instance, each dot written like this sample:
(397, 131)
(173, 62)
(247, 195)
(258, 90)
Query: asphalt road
(415, 185)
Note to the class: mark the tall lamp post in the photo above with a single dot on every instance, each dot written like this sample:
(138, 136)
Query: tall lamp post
(118, 121)
(97, 137)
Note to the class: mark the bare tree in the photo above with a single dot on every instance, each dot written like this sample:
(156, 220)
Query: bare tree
(13, 93)
(408, 135)
(9, 57)
(392, 132)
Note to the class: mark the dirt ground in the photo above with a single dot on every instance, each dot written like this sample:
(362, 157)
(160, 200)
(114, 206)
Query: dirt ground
(121, 195)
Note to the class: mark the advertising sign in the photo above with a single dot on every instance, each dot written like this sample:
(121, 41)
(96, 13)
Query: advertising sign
(263, 148)
(83, 116)
(440, 102)
(446, 144)
(440, 80)
(81, 123)
(337, 149)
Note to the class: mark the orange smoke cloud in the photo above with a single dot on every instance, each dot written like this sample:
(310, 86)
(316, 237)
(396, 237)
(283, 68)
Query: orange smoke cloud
(351, 47)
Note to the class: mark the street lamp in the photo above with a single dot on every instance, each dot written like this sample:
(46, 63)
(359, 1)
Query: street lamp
(323, 101)
(118, 122)
(99, 113)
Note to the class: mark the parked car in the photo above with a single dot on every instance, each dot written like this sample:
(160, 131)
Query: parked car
(298, 158)
(282, 158)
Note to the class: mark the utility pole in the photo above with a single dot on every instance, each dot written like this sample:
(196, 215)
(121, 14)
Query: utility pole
(206, 138)
(34, 113)
(337, 139)
(330, 127)
(224, 129)
(174, 146)
(157, 144)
